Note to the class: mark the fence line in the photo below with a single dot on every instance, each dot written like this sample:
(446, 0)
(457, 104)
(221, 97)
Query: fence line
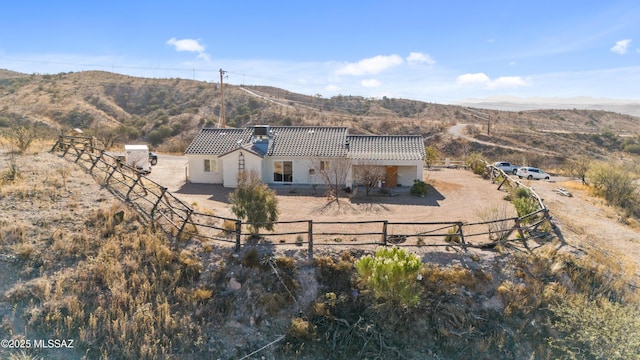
(161, 209)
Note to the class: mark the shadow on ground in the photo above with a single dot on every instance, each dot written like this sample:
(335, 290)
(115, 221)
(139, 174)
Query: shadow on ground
(217, 192)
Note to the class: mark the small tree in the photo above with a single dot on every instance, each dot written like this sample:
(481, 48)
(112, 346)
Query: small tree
(334, 174)
(579, 167)
(616, 185)
(369, 175)
(431, 156)
(254, 202)
(22, 137)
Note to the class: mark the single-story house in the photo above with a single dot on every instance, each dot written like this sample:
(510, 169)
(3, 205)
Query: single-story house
(297, 155)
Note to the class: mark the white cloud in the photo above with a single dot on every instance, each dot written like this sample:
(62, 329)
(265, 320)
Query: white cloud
(621, 46)
(370, 83)
(477, 78)
(499, 83)
(372, 65)
(415, 58)
(189, 45)
(508, 82)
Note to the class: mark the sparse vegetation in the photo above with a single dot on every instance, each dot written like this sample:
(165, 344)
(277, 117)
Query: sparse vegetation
(392, 275)
(617, 186)
(254, 202)
(419, 188)
(431, 155)
(79, 264)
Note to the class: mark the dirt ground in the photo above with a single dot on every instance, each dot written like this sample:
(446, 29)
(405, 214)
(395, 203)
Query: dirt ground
(584, 222)
(448, 199)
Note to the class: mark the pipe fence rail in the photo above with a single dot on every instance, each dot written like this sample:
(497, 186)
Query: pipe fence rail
(161, 209)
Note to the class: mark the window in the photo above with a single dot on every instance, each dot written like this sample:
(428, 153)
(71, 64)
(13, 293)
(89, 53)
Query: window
(324, 165)
(282, 171)
(210, 165)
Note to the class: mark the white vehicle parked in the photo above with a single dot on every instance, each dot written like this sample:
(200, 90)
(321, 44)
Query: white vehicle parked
(532, 173)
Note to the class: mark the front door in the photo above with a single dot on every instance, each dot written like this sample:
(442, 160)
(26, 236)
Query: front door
(392, 176)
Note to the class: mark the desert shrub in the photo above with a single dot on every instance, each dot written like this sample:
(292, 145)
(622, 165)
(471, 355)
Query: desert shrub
(12, 173)
(229, 226)
(301, 329)
(525, 206)
(476, 163)
(617, 186)
(453, 235)
(521, 192)
(22, 137)
(498, 230)
(596, 329)
(392, 275)
(419, 188)
(254, 201)
(524, 203)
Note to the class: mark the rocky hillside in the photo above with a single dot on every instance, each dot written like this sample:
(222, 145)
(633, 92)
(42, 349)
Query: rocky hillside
(166, 113)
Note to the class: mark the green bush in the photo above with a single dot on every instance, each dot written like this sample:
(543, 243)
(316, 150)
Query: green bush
(392, 275)
(525, 206)
(521, 193)
(617, 186)
(419, 188)
(476, 163)
(254, 202)
(596, 329)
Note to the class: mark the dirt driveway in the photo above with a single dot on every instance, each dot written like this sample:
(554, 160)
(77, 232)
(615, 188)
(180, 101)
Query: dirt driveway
(456, 195)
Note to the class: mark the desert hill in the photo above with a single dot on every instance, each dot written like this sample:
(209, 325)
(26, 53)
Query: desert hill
(166, 113)
(79, 264)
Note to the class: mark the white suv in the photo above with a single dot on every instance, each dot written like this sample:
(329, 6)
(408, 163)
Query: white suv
(532, 173)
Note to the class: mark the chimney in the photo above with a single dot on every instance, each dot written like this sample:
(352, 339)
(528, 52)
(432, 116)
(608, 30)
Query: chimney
(260, 138)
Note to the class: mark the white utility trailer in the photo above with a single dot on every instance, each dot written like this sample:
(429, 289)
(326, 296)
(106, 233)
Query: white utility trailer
(137, 156)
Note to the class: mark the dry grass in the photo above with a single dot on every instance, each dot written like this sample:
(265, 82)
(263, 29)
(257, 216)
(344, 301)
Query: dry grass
(98, 275)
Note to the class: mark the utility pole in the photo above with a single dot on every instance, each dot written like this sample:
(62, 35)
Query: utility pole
(222, 119)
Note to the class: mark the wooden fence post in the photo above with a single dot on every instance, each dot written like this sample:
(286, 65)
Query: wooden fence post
(384, 232)
(310, 239)
(98, 159)
(58, 142)
(155, 205)
(503, 181)
(184, 224)
(238, 234)
(110, 175)
(66, 149)
(519, 227)
(135, 182)
(461, 234)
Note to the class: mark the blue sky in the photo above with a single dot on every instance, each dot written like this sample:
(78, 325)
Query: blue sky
(436, 51)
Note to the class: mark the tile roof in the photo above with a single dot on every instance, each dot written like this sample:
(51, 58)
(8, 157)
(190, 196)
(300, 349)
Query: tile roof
(310, 141)
(218, 141)
(318, 141)
(386, 147)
